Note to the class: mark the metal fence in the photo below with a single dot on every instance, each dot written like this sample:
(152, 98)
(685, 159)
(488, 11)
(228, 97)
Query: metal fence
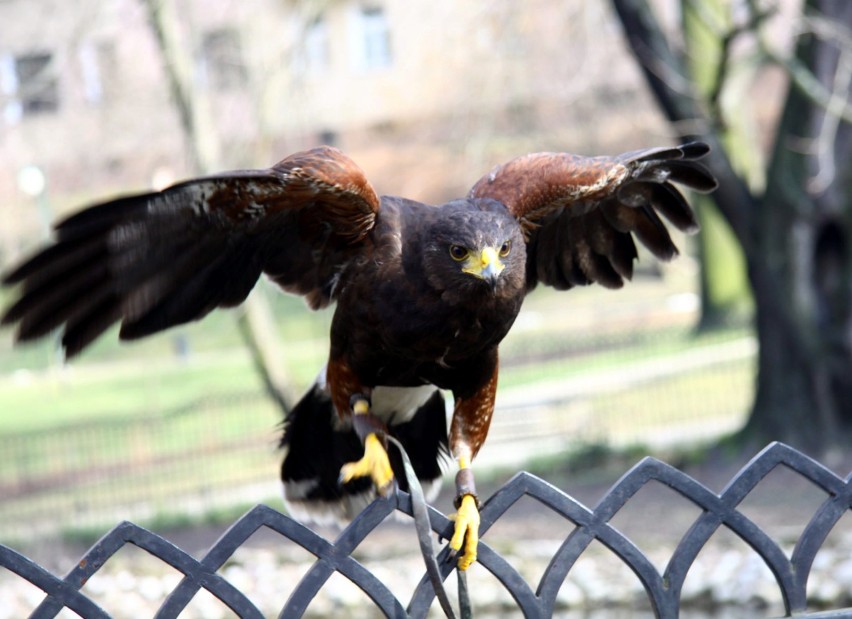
(663, 589)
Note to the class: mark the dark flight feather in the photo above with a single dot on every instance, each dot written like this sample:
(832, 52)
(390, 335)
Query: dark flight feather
(597, 200)
(154, 260)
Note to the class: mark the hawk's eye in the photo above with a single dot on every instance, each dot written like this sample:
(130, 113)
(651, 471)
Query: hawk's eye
(458, 253)
(505, 248)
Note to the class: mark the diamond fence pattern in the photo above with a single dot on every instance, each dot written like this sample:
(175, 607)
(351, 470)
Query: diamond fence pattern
(663, 589)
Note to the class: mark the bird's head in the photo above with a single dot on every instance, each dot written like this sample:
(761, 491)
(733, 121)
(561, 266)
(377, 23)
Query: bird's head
(476, 247)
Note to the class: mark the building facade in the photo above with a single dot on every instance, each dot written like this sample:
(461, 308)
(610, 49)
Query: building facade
(426, 96)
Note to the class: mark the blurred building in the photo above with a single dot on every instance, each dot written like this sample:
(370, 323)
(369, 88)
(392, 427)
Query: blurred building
(426, 96)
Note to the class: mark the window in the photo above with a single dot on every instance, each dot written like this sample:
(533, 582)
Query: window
(328, 137)
(373, 38)
(29, 84)
(98, 70)
(222, 60)
(90, 71)
(316, 46)
(37, 84)
(9, 88)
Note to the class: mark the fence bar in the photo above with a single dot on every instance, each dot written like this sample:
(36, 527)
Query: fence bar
(533, 600)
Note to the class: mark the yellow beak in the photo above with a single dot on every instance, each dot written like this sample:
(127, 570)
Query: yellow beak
(485, 266)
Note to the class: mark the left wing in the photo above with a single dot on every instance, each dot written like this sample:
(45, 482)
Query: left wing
(580, 214)
(154, 260)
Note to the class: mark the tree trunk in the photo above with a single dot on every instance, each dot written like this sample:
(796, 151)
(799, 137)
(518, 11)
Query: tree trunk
(804, 389)
(254, 325)
(796, 237)
(725, 294)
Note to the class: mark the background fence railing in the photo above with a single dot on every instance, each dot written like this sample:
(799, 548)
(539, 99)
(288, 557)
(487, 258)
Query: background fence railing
(184, 461)
(663, 587)
(220, 451)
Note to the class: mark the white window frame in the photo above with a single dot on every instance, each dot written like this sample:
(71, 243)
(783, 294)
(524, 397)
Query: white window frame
(370, 45)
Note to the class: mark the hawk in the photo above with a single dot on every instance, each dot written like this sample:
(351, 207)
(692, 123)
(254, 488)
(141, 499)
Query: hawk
(424, 294)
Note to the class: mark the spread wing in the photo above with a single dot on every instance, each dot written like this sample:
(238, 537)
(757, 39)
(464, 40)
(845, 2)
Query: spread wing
(580, 214)
(160, 259)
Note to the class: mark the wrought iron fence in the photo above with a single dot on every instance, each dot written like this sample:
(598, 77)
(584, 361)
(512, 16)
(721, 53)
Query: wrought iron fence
(663, 590)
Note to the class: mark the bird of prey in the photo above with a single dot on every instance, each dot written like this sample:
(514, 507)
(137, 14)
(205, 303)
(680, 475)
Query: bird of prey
(424, 294)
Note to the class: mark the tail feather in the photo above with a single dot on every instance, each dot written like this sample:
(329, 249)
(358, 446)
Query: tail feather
(317, 445)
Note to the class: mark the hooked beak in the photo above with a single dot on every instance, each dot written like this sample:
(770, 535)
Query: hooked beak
(485, 266)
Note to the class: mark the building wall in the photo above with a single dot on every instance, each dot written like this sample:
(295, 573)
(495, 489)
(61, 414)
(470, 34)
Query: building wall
(109, 130)
(463, 86)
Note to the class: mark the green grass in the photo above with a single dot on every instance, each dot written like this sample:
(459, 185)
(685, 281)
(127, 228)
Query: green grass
(149, 387)
(148, 378)
(140, 442)
(61, 400)
(694, 399)
(160, 429)
(131, 467)
(702, 390)
(643, 346)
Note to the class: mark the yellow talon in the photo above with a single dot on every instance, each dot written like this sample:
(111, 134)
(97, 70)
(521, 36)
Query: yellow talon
(467, 531)
(374, 464)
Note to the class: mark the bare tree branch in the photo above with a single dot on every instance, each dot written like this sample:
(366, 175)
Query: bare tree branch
(177, 74)
(828, 30)
(803, 385)
(809, 85)
(824, 145)
(254, 324)
(749, 26)
(665, 75)
(801, 76)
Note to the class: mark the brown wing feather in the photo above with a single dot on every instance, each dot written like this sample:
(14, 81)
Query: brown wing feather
(579, 214)
(532, 186)
(159, 259)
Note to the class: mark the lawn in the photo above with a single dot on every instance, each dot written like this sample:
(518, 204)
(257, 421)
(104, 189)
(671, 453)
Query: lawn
(142, 425)
(150, 379)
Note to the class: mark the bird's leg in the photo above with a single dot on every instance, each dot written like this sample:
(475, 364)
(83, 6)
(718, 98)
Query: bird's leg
(467, 504)
(471, 420)
(372, 432)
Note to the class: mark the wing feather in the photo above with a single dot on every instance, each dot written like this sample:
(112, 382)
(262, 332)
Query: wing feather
(84, 328)
(580, 214)
(154, 260)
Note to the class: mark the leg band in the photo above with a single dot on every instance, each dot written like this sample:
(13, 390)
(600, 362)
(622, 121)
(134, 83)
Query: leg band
(365, 423)
(465, 485)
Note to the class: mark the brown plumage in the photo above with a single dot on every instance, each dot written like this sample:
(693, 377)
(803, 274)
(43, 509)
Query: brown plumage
(424, 293)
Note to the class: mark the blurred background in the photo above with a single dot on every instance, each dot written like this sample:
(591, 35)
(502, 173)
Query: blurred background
(105, 97)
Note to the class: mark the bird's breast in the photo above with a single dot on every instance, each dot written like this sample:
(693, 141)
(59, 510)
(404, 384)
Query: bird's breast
(399, 404)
